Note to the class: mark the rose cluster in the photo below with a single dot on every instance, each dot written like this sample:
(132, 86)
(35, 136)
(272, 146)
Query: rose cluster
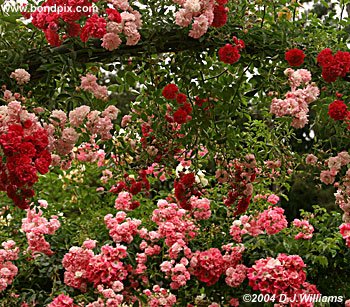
(64, 133)
(185, 188)
(121, 228)
(62, 19)
(338, 110)
(240, 178)
(230, 54)
(209, 265)
(174, 224)
(8, 270)
(182, 114)
(328, 176)
(296, 101)
(159, 297)
(333, 66)
(295, 57)
(23, 152)
(306, 229)
(271, 221)
(36, 226)
(62, 301)
(105, 269)
(201, 14)
(283, 277)
(89, 84)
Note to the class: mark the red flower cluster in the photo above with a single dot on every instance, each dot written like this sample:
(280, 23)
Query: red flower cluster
(220, 14)
(207, 266)
(132, 186)
(295, 57)
(283, 277)
(241, 182)
(94, 27)
(229, 54)
(333, 66)
(338, 110)
(83, 266)
(50, 22)
(25, 154)
(64, 21)
(182, 114)
(184, 189)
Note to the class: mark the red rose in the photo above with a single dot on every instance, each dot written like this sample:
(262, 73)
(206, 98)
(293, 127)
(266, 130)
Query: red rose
(229, 54)
(180, 116)
(42, 165)
(325, 57)
(181, 98)
(73, 29)
(170, 91)
(337, 110)
(114, 15)
(136, 188)
(26, 174)
(222, 2)
(94, 27)
(295, 57)
(52, 37)
(27, 149)
(220, 16)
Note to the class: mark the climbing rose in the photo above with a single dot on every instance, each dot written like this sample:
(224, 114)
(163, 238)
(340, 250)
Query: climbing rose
(295, 57)
(170, 91)
(220, 16)
(229, 54)
(337, 110)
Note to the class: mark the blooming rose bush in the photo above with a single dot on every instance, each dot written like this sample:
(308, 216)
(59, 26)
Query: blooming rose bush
(168, 179)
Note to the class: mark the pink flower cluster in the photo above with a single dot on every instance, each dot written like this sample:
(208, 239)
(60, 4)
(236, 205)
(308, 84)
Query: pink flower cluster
(209, 265)
(64, 133)
(159, 297)
(306, 229)
(124, 201)
(121, 228)
(141, 258)
(173, 223)
(345, 232)
(177, 272)
(283, 277)
(89, 84)
(36, 226)
(297, 100)
(79, 18)
(21, 76)
(270, 198)
(88, 152)
(8, 270)
(202, 14)
(236, 275)
(342, 197)
(129, 26)
(334, 165)
(271, 221)
(62, 301)
(200, 208)
(105, 269)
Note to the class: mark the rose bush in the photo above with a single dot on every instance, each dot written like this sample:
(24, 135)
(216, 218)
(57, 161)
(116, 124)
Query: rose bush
(187, 167)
